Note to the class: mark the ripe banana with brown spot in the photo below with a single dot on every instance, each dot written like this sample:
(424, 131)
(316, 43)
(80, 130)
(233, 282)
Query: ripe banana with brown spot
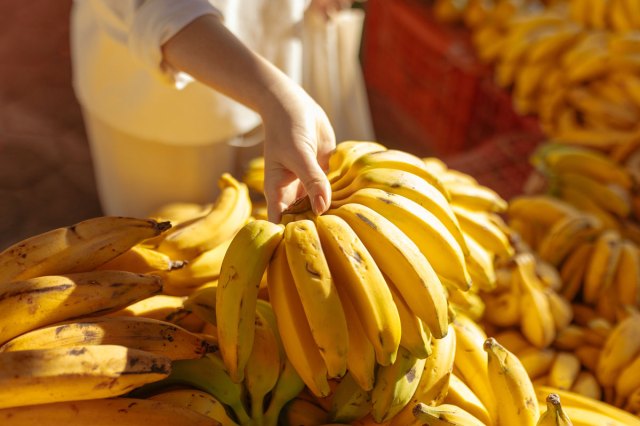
(355, 271)
(41, 301)
(242, 269)
(105, 412)
(229, 213)
(318, 294)
(401, 261)
(511, 386)
(74, 373)
(434, 240)
(299, 344)
(155, 336)
(78, 248)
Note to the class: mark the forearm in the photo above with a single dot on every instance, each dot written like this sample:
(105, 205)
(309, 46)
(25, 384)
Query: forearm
(210, 53)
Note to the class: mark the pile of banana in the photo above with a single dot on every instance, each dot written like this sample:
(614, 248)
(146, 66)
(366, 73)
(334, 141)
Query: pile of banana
(571, 63)
(378, 312)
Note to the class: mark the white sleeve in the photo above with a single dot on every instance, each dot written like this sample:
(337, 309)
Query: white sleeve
(156, 21)
(145, 25)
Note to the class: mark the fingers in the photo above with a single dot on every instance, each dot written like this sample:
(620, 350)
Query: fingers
(280, 189)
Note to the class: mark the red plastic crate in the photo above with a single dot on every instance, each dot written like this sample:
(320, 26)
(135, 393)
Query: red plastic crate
(428, 92)
(421, 77)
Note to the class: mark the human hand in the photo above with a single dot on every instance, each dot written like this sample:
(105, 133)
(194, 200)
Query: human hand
(298, 142)
(326, 8)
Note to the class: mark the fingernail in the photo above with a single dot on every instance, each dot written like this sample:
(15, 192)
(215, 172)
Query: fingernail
(319, 205)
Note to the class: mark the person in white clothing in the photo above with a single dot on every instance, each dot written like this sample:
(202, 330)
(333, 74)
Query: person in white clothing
(172, 90)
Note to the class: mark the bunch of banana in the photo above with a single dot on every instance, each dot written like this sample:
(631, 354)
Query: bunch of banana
(527, 302)
(192, 237)
(612, 15)
(571, 63)
(588, 180)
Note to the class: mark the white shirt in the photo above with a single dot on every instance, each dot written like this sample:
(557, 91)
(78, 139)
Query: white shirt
(118, 74)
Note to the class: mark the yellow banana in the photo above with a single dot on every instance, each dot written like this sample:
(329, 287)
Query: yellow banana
(346, 153)
(560, 309)
(142, 260)
(476, 197)
(626, 281)
(571, 400)
(569, 338)
(349, 401)
(537, 321)
(513, 340)
(395, 385)
(588, 417)
(537, 362)
(317, 290)
(480, 263)
(503, 309)
(202, 269)
(105, 412)
(471, 362)
(300, 411)
(586, 384)
(574, 268)
(563, 158)
(424, 228)
(242, 269)
(389, 159)
(355, 271)
(400, 259)
(445, 415)
(73, 373)
(145, 334)
(628, 380)
(555, 415)
(588, 205)
(179, 211)
(461, 396)
(602, 265)
(227, 216)
(361, 358)
(36, 302)
(565, 235)
(294, 329)
(160, 307)
(198, 401)
(78, 248)
(263, 366)
(202, 303)
(434, 381)
(621, 347)
(415, 336)
(607, 196)
(542, 209)
(633, 12)
(564, 370)
(408, 185)
(553, 44)
(480, 226)
(511, 386)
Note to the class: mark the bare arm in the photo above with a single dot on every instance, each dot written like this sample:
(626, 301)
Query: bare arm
(298, 135)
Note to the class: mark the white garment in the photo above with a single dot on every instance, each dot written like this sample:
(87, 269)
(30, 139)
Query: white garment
(119, 78)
